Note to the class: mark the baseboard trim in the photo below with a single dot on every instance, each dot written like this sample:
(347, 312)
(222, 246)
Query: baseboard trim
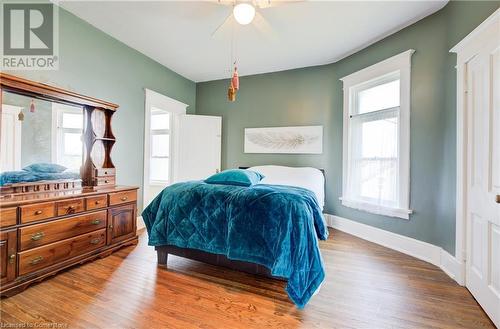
(140, 223)
(412, 247)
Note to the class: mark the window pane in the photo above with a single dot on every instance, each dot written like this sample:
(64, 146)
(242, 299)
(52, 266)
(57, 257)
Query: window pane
(160, 120)
(160, 145)
(378, 180)
(380, 138)
(374, 167)
(72, 144)
(71, 162)
(72, 120)
(159, 169)
(380, 97)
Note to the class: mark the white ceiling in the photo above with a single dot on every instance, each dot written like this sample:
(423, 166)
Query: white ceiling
(178, 34)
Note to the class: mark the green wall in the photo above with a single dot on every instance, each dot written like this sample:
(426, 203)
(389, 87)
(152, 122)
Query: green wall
(95, 64)
(312, 96)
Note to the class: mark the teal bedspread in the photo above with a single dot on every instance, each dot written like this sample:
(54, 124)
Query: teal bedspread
(275, 226)
(21, 176)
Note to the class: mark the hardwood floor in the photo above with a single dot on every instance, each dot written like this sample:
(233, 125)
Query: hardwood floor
(367, 286)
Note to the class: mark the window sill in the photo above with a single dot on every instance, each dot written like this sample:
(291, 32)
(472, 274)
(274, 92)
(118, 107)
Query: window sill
(379, 210)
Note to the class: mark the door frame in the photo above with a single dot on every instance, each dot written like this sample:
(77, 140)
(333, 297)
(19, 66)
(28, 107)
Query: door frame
(465, 50)
(17, 133)
(155, 99)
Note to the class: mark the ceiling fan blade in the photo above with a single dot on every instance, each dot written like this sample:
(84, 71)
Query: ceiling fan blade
(263, 26)
(263, 4)
(224, 2)
(225, 22)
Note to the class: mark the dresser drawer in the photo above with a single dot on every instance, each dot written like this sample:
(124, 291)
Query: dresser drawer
(122, 197)
(42, 234)
(38, 258)
(97, 202)
(8, 217)
(69, 207)
(39, 211)
(105, 172)
(100, 181)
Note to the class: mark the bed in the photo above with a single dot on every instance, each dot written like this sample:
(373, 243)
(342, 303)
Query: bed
(270, 228)
(23, 176)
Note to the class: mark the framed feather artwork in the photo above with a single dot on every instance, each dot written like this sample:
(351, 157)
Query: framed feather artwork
(291, 140)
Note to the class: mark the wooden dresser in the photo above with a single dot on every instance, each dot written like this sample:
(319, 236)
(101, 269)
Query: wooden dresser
(43, 233)
(49, 225)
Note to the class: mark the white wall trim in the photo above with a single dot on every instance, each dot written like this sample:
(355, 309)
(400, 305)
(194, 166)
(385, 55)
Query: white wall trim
(412, 247)
(491, 20)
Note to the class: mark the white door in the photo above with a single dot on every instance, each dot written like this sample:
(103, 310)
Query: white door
(199, 152)
(10, 139)
(483, 175)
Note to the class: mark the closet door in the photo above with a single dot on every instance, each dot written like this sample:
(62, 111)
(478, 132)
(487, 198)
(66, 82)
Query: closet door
(199, 147)
(483, 174)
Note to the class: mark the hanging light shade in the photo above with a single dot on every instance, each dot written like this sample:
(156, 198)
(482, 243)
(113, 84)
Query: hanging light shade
(235, 80)
(244, 13)
(32, 106)
(231, 93)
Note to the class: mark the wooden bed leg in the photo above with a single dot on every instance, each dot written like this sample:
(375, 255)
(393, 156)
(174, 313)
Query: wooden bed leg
(162, 258)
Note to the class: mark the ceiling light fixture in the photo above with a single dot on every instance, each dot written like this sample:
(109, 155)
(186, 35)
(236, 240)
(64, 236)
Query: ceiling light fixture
(244, 13)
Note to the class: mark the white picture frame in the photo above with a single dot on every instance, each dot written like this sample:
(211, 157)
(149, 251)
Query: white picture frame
(284, 140)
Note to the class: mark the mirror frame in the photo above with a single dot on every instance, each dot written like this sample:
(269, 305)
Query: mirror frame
(98, 138)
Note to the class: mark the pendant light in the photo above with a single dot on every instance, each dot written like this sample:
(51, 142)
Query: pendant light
(32, 106)
(244, 13)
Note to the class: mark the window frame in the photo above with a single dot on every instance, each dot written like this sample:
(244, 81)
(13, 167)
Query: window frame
(369, 77)
(58, 131)
(167, 132)
(155, 100)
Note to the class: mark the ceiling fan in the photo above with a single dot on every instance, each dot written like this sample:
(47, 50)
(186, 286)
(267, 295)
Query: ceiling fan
(244, 12)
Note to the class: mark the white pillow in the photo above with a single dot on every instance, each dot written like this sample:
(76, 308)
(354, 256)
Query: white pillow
(305, 177)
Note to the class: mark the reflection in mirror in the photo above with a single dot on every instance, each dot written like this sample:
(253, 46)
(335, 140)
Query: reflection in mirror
(40, 140)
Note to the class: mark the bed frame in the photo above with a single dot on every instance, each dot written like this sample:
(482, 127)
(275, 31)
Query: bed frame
(214, 259)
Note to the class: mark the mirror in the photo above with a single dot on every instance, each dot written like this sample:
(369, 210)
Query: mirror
(40, 140)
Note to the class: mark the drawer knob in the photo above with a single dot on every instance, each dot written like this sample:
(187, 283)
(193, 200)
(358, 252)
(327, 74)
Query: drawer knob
(124, 198)
(95, 241)
(37, 236)
(97, 202)
(105, 173)
(106, 181)
(96, 222)
(36, 260)
(11, 258)
(110, 226)
(38, 212)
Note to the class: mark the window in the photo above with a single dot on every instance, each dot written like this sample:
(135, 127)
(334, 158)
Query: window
(67, 139)
(376, 137)
(159, 171)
